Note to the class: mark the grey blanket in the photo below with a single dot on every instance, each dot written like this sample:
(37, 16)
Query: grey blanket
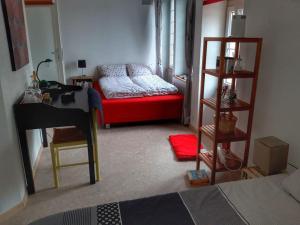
(203, 206)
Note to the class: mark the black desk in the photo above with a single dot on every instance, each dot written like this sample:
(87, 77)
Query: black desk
(42, 116)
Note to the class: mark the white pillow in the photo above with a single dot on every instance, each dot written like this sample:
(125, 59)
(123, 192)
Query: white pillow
(138, 70)
(117, 70)
(291, 184)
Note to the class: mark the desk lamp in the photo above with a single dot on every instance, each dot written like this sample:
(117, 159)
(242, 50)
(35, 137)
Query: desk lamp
(37, 69)
(82, 64)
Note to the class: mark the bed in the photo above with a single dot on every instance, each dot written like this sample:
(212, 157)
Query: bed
(261, 201)
(149, 102)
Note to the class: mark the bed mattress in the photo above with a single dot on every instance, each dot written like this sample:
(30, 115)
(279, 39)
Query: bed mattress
(154, 85)
(138, 86)
(263, 201)
(258, 202)
(120, 87)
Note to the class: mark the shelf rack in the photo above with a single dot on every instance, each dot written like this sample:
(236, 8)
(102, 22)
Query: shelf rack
(210, 158)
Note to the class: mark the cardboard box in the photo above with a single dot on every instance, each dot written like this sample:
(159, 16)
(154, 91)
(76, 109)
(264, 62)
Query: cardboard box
(270, 155)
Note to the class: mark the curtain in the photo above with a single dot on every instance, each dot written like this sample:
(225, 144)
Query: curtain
(189, 48)
(158, 26)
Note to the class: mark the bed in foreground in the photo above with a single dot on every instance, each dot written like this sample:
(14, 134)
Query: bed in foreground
(260, 201)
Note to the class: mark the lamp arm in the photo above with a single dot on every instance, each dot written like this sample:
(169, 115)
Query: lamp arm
(37, 70)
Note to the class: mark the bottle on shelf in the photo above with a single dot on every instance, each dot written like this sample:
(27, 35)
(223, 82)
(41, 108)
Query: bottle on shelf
(238, 65)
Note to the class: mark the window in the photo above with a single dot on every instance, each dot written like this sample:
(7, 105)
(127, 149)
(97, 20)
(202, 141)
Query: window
(172, 34)
(230, 47)
(231, 13)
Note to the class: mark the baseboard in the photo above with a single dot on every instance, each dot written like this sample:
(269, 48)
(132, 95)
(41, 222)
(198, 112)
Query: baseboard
(8, 214)
(37, 161)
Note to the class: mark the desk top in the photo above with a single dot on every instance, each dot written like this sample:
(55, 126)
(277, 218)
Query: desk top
(81, 101)
(80, 95)
(57, 114)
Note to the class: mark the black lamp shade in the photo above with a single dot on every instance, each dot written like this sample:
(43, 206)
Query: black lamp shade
(81, 63)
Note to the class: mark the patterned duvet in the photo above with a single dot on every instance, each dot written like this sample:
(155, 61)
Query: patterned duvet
(139, 86)
(154, 85)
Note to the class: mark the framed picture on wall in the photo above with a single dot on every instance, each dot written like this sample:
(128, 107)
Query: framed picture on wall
(16, 32)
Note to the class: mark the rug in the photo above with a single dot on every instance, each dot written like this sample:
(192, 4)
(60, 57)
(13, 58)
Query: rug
(184, 146)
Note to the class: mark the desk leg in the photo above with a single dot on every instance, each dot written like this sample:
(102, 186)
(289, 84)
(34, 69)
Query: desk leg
(91, 156)
(26, 162)
(45, 141)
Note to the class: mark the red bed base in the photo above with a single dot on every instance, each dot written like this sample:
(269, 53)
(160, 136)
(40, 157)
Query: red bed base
(166, 107)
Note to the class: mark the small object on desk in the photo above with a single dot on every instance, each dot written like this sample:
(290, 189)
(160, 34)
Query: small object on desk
(68, 97)
(43, 84)
(32, 96)
(197, 177)
(34, 81)
(47, 98)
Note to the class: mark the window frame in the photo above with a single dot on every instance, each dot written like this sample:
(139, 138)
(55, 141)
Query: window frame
(172, 37)
(230, 47)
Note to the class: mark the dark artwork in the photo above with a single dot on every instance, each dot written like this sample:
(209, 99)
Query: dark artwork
(16, 32)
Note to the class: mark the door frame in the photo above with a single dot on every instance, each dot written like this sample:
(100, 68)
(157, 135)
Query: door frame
(58, 46)
(58, 42)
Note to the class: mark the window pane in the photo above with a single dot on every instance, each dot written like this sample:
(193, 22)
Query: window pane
(172, 33)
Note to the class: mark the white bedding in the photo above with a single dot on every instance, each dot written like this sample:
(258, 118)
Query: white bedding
(263, 201)
(154, 85)
(120, 87)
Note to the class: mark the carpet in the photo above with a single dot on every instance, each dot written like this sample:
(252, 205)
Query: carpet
(135, 161)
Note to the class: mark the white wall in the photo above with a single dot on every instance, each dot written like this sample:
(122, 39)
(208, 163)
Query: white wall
(102, 31)
(277, 105)
(213, 25)
(12, 84)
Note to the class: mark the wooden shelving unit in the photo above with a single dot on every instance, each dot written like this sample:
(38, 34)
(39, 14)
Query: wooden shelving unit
(210, 158)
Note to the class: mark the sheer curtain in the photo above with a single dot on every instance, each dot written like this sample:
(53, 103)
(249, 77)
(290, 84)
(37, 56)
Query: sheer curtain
(158, 25)
(189, 46)
(187, 42)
